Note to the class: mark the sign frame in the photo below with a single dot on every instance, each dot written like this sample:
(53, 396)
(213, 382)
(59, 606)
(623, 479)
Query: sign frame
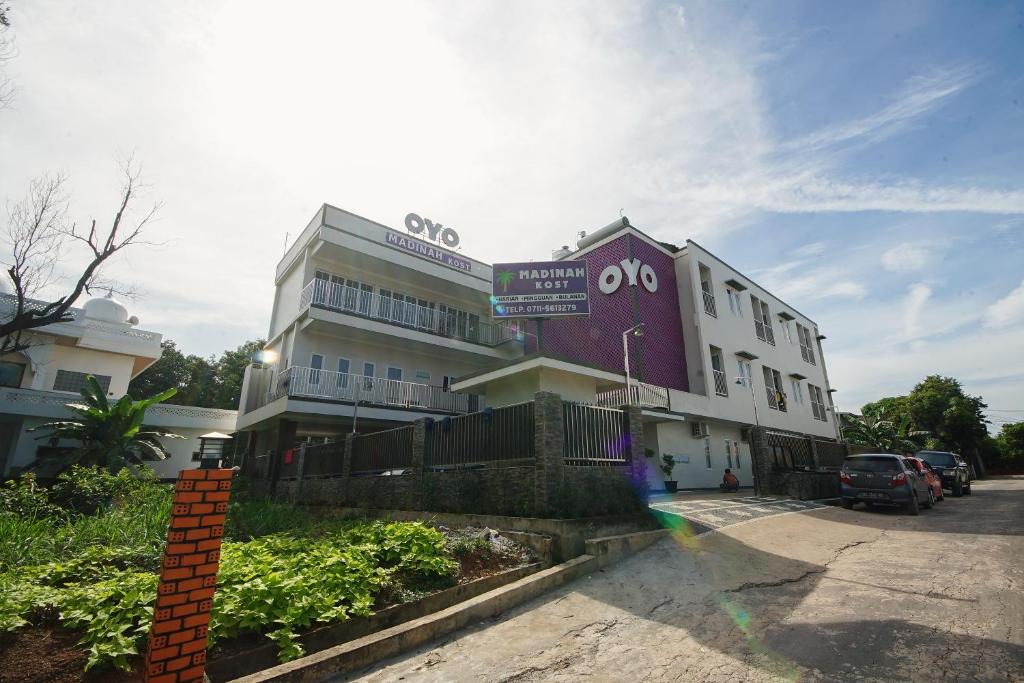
(551, 291)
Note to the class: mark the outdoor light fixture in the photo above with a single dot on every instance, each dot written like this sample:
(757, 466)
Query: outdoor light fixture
(211, 450)
(636, 330)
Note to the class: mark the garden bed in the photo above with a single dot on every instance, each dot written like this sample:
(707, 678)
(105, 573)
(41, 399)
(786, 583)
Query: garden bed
(77, 582)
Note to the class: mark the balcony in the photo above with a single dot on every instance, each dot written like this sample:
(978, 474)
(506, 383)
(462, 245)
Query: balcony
(367, 304)
(326, 385)
(640, 394)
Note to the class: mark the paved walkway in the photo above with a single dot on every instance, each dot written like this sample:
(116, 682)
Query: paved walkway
(826, 595)
(717, 511)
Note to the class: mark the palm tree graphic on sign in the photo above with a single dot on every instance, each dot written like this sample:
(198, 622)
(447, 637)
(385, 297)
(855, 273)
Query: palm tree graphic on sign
(506, 277)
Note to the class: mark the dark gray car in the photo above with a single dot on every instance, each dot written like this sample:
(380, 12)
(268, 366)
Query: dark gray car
(954, 472)
(884, 479)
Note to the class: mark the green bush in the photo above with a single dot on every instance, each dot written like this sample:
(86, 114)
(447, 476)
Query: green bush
(88, 490)
(25, 497)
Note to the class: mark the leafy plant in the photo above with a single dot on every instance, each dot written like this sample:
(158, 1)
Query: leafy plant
(668, 463)
(882, 435)
(110, 435)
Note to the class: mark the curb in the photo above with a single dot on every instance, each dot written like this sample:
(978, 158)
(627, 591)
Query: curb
(369, 650)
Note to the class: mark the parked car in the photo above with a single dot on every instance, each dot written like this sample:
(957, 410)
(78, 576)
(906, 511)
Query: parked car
(933, 479)
(884, 479)
(954, 472)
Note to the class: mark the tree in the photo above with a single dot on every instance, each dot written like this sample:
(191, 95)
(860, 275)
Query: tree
(205, 382)
(110, 435)
(956, 420)
(6, 53)
(884, 436)
(1010, 444)
(39, 235)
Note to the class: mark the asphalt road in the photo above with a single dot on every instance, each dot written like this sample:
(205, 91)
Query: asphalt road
(824, 594)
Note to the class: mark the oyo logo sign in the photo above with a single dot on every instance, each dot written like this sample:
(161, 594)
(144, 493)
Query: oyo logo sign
(435, 231)
(611, 277)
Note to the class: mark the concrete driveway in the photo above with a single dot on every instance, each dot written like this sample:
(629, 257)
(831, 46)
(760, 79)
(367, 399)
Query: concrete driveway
(825, 594)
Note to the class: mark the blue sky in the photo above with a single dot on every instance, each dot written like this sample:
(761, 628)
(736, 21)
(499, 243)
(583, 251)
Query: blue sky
(863, 160)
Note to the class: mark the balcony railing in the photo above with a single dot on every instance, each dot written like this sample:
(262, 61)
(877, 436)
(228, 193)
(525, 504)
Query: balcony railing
(303, 382)
(640, 394)
(721, 383)
(337, 297)
(709, 303)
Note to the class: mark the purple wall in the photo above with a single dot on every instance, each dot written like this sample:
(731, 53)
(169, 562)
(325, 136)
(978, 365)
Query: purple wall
(657, 357)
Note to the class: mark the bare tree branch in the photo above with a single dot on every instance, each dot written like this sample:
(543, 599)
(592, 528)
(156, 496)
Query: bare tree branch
(37, 232)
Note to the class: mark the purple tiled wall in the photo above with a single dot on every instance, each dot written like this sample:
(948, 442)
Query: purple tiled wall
(657, 357)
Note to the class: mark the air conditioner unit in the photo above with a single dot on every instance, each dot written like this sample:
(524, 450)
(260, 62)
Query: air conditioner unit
(700, 429)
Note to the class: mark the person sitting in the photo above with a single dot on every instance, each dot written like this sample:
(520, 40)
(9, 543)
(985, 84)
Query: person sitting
(730, 482)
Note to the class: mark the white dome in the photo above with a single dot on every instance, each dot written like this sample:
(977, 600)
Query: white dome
(106, 309)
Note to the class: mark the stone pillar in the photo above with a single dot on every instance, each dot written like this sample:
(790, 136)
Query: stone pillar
(346, 470)
(637, 459)
(177, 638)
(300, 467)
(548, 435)
(812, 442)
(419, 448)
(760, 461)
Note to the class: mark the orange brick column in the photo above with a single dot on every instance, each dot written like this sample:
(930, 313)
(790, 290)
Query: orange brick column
(177, 641)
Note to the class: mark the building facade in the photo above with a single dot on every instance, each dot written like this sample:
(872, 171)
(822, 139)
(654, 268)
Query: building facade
(372, 328)
(102, 340)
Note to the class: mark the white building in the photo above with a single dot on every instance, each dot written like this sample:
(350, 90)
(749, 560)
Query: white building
(369, 326)
(103, 341)
(372, 327)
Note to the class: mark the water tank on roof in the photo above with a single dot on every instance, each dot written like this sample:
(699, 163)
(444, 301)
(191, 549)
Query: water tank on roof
(599, 235)
(106, 309)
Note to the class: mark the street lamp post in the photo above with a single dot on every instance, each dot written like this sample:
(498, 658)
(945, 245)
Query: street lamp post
(636, 330)
(753, 399)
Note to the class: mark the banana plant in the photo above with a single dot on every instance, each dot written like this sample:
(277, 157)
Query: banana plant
(110, 435)
(885, 436)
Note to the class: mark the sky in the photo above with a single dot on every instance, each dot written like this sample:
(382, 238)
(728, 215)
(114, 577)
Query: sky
(864, 161)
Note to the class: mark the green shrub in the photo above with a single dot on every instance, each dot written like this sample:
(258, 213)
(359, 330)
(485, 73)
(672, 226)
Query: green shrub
(88, 490)
(25, 497)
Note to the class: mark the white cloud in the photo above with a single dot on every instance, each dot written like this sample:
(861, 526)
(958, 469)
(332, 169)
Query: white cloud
(906, 257)
(1007, 311)
(914, 304)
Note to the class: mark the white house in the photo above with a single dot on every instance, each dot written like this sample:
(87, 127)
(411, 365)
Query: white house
(102, 340)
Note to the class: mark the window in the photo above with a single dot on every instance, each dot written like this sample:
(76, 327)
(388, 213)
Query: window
(817, 403)
(736, 452)
(728, 453)
(344, 366)
(734, 302)
(448, 381)
(384, 304)
(806, 346)
(68, 380)
(762, 320)
(395, 374)
(798, 392)
(11, 374)
(423, 377)
(316, 364)
(773, 388)
(718, 370)
(786, 332)
(707, 452)
(745, 373)
(707, 291)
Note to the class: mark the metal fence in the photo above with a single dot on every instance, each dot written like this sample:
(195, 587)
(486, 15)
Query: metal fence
(789, 451)
(323, 460)
(498, 434)
(593, 435)
(382, 451)
(830, 453)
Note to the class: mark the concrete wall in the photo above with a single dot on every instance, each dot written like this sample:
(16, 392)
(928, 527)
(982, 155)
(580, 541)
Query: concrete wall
(676, 438)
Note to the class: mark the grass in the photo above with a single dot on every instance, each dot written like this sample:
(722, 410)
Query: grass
(84, 555)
